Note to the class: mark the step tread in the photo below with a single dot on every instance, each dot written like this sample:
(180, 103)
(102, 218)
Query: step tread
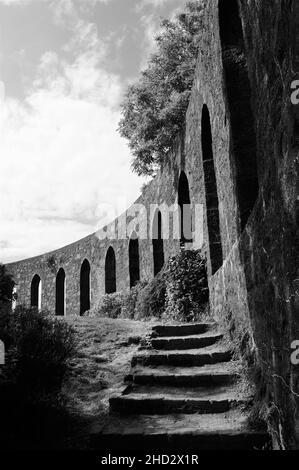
(151, 392)
(207, 334)
(179, 329)
(185, 343)
(209, 369)
(233, 421)
(207, 350)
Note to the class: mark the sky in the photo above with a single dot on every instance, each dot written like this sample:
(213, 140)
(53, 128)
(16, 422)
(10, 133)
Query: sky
(64, 67)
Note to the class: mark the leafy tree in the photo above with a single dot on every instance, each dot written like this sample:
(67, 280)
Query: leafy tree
(6, 296)
(6, 285)
(153, 110)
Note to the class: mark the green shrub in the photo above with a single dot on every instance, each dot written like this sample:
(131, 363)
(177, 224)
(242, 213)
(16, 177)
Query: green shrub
(130, 300)
(110, 305)
(6, 324)
(6, 285)
(179, 292)
(43, 344)
(119, 304)
(151, 299)
(187, 290)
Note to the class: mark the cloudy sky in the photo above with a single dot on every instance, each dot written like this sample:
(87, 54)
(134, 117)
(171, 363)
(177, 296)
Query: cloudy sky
(64, 66)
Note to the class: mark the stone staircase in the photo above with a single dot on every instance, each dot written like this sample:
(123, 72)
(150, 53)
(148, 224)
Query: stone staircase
(182, 394)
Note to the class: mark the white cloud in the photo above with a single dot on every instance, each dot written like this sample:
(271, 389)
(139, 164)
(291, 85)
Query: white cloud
(155, 3)
(15, 2)
(61, 156)
(151, 25)
(61, 2)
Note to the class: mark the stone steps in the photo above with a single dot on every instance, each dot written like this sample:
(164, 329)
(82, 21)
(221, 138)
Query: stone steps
(164, 400)
(181, 393)
(208, 376)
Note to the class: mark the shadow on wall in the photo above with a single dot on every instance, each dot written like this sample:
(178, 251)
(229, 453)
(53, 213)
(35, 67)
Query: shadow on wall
(212, 203)
(238, 91)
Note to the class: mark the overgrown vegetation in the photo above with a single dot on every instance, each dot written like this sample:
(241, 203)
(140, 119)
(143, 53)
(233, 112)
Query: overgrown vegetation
(43, 345)
(6, 285)
(120, 304)
(151, 299)
(178, 292)
(154, 108)
(38, 347)
(6, 296)
(239, 335)
(187, 290)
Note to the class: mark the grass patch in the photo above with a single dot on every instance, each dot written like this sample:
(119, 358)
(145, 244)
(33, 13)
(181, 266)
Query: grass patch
(62, 418)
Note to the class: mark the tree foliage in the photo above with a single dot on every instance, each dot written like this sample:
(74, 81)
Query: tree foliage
(6, 285)
(153, 110)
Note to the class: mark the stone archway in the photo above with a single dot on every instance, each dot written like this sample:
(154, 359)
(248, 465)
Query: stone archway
(110, 271)
(36, 292)
(158, 245)
(134, 262)
(60, 293)
(84, 287)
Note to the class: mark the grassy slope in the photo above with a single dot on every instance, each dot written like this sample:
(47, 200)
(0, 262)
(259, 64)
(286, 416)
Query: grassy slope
(98, 370)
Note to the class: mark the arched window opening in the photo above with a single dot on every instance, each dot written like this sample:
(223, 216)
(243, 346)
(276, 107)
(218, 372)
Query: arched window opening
(85, 287)
(134, 268)
(239, 102)
(36, 292)
(60, 293)
(158, 246)
(185, 210)
(110, 271)
(212, 203)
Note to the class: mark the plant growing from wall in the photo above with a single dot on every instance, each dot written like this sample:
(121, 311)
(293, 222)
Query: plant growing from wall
(52, 264)
(153, 110)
